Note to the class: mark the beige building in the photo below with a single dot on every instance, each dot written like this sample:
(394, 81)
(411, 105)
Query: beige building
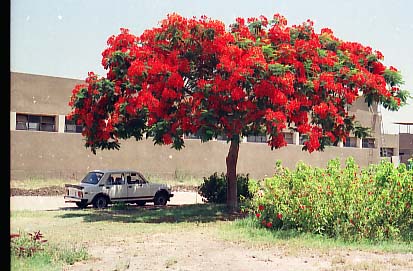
(45, 145)
(405, 141)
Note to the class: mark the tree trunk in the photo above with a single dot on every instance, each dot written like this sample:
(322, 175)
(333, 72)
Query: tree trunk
(232, 158)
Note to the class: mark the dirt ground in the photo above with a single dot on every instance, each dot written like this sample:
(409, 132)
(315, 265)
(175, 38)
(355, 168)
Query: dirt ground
(45, 203)
(202, 249)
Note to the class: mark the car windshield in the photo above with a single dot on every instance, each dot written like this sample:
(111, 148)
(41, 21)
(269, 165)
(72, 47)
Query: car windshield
(92, 177)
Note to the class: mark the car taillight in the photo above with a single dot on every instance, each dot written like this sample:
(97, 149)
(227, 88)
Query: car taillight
(80, 194)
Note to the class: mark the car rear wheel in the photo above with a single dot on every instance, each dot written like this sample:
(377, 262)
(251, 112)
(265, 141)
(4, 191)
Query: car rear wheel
(100, 202)
(141, 203)
(160, 198)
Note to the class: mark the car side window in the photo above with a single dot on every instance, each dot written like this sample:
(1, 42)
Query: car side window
(132, 178)
(111, 180)
(141, 179)
(116, 179)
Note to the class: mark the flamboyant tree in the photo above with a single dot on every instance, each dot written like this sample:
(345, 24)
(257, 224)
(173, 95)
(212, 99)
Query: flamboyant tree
(194, 76)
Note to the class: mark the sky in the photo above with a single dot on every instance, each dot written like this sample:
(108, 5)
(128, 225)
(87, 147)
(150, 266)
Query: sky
(65, 38)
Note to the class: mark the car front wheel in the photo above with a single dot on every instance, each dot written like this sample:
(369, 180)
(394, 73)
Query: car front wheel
(160, 199)
(100, 202)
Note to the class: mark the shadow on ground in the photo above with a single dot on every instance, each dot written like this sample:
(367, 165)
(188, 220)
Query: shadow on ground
(156, 214)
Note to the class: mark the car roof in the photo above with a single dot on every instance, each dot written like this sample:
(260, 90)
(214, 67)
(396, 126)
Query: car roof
(114, 170)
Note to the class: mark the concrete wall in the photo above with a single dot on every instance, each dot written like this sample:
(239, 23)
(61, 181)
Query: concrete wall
(391, 141)
(368, 117)
(55, 155)
(40, 94)
(406, 147)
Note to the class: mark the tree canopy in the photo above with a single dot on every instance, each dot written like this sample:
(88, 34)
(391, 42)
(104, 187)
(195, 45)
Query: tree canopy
(194, 76)
(258, 76)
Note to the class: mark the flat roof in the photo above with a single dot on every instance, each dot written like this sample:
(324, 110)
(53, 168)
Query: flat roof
(404, 123)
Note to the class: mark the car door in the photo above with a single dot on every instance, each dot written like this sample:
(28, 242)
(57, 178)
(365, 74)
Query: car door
(116, 187)
(138, 187)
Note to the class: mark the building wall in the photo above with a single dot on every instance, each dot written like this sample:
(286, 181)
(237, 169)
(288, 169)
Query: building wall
(390, 141)
(406, 147)
(40, 94)
(56, 155)
(62, 155)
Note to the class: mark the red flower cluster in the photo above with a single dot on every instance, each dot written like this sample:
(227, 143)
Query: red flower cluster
(194, 76)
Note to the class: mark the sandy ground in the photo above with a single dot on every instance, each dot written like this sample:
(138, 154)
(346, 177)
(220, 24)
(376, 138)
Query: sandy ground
(200, 249)
(37, 203)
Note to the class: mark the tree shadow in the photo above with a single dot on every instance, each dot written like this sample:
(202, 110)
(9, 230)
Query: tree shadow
(201, 213)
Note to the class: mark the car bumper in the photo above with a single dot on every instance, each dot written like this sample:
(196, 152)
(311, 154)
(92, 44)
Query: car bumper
(73, 199)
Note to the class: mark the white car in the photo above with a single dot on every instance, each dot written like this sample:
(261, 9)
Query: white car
(101, 187)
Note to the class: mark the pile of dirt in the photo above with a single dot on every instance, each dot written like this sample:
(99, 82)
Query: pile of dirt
(60, 191)
(44, 191)
(184, 188)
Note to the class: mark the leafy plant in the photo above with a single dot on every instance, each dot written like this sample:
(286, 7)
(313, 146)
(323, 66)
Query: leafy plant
(214, 188)
(31, 251)
(348, 203)
(26, 245)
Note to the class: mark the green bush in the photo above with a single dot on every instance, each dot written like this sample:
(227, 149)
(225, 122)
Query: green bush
(214, 188)
(349, 203)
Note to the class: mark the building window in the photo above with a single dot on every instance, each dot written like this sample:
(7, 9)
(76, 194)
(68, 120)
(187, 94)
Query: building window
(386, 152)
(368, 143)
(257, 138)
(351, 142)
(303, 138)
(35, 123)
(71, 127)
(21, 122)
(222, 137)
(289, 137)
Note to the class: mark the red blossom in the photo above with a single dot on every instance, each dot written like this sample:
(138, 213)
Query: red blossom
(167, 139)
(203, 77)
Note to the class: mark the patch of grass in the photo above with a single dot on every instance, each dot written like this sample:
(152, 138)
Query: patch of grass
(247, 230)
(30, 251)
(35, 263)
(120, 205)
(199, 213)
(86, 226)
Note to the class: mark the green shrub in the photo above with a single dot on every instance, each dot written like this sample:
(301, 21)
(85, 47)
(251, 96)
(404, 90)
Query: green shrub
(214, 188)
(349, 203)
